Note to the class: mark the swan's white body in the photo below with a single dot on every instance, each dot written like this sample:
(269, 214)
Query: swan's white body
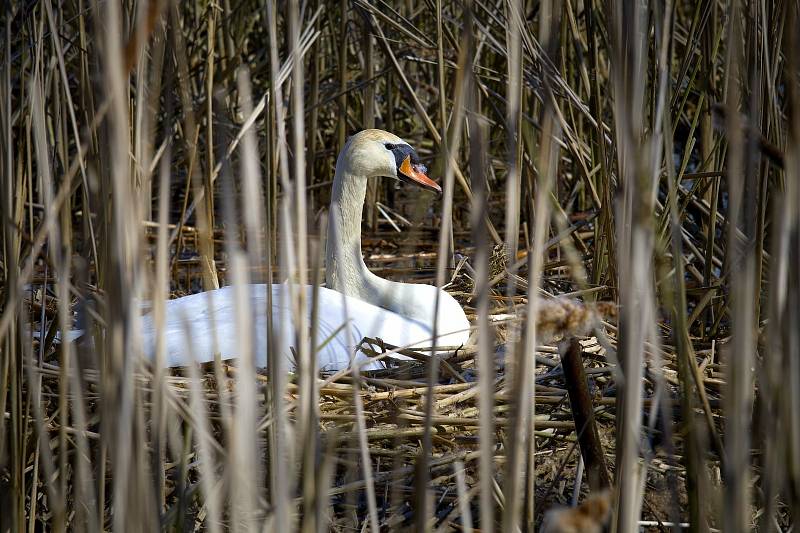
(356, 303)
(207, 317)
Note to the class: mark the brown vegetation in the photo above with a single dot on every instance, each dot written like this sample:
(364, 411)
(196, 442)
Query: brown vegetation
(623, 175)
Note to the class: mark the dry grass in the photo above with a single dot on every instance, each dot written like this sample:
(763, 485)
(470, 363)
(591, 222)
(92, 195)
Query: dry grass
(621, 173)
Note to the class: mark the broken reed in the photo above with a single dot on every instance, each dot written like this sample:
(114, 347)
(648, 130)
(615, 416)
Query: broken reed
(579, 136)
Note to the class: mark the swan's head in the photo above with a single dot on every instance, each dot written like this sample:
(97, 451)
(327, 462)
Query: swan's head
(378, 153)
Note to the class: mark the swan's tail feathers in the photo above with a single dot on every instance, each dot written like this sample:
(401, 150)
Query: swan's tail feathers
(72, 335)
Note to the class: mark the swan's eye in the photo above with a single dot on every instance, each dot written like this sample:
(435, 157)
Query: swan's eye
(390, 146)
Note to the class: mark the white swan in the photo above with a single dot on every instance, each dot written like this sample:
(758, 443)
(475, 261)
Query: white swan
(399, 313)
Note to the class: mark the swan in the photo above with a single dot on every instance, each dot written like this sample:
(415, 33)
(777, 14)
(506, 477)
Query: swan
(355, 303)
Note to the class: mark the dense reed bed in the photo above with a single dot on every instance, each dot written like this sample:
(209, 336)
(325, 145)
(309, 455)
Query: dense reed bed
(620, 220)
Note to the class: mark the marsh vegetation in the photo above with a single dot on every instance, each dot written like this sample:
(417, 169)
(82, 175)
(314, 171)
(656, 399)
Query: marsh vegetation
(621, 194)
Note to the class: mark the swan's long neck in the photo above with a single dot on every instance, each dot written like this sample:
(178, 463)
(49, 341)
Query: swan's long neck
(345, 270)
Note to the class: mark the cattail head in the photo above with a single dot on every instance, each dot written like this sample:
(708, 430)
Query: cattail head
(562, 317)
(588, 517)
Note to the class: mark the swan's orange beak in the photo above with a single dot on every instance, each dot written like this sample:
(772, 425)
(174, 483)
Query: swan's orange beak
(415, 173)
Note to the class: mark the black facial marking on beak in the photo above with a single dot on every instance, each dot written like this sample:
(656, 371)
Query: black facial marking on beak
(410, 169)
(401, 151)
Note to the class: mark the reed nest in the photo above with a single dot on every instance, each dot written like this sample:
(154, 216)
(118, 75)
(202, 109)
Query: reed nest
(393, 416)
